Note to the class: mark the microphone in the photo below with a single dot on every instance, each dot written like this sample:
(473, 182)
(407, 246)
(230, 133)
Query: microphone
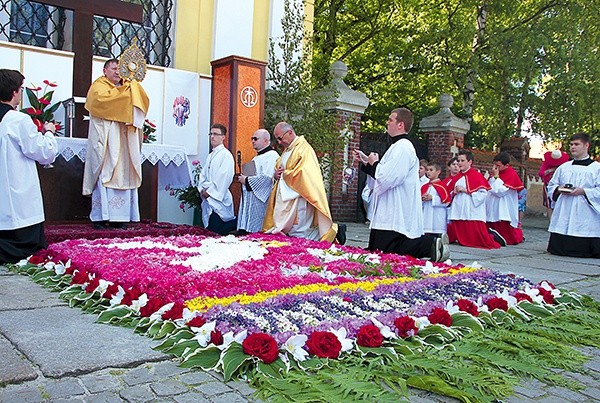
(239, 161)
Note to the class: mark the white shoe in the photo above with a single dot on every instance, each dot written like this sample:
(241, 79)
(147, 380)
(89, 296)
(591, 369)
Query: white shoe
(445, 247)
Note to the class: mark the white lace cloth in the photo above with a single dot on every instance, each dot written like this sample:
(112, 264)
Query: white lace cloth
(174, 169)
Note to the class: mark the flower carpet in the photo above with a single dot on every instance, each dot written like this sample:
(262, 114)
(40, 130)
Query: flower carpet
(310, 321)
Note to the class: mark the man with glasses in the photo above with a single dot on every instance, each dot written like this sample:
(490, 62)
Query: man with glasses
(298, 204)
(257, 185)
(215, 179)
(21, 145)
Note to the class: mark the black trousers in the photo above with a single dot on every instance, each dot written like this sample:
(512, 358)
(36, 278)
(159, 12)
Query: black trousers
(216, 224)
(395, 242)
(17, 244)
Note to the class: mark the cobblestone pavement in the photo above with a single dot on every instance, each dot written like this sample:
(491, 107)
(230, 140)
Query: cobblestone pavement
(50, 352)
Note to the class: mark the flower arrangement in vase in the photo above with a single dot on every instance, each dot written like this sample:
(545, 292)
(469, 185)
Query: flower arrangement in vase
(189, 196)
(41, 110)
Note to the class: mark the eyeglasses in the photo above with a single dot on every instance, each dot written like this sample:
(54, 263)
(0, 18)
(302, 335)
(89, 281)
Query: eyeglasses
(281, 137)
(254, 138)
(215, 134)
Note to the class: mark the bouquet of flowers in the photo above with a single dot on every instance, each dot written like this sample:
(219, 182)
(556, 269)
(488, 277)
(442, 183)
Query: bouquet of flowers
(148, 129)
(189, 196)
(40, 110)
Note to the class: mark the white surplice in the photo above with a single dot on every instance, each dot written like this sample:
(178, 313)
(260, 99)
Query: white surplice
(21, 145)
(577, 216)
(215, 178)
(254, 202)
(434, 213)
(396, 193)
(502, 203)
(466, 206)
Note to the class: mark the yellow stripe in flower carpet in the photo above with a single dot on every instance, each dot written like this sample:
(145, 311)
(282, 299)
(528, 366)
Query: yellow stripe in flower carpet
(205, 303)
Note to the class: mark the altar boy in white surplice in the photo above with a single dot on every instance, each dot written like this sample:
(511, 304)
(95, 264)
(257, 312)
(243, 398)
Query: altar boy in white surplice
(575, 187)
(215, 179)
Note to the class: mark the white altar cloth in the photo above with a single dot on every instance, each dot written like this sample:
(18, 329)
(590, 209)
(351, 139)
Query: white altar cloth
(174, 168)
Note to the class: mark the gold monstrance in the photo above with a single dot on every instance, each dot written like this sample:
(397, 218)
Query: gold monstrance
(132, 64)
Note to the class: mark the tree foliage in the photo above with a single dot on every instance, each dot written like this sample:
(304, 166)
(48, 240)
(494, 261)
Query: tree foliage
(534, 65)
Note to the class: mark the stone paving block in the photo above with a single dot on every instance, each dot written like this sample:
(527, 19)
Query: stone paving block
(593, 393)
(139, 393)
(518, 399)
(140, 375)
(63, 388)
(195, 378)
(532, 393)
(169, 368)
(191, 397)
(97, 382)
(19, 292)
(594, 364)
(242, 387)
(211, 389)
(104, 397)
(564, 393)
(583, 378)
(169, 388)
(21, 394)
(68, 400)
(72, 342)
(14, 368)
(229, 398)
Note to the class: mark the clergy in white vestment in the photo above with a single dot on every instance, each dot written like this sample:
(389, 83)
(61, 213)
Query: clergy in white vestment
(113, 168)
(397, 221)
(21, 146)
(215, 179)
(575, 187)
(436, 198)
(502, 202)
(298, 205)
(257, 185)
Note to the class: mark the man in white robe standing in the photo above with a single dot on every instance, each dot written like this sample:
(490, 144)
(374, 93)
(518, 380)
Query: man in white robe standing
(256, 188)
(21, 146)
(575, 187)
(397, 222)
(215, 179)
(113, 168)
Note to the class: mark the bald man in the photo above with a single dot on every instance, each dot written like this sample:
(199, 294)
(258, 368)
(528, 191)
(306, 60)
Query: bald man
(256, 188)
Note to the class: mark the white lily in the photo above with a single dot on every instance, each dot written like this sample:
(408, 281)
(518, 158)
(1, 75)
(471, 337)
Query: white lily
(422, 322)
(512, 301)
(22, 262)
(429, 268)
(140, 302)
(534, 294)
(118, 297)
(49, 265)
(554, 291)
(385, 330)
(481, 306)
(229, 338)
(102, 286)
(475, 265)
(451, 307)
(294, 345)
(186, 316)
(203, 333)
(347, 344)
(158, 314)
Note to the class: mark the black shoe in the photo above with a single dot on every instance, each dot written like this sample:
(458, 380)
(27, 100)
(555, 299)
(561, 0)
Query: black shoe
(497, 237)
(117, 225)
(100, 224)
(239, 232)
(341, 234)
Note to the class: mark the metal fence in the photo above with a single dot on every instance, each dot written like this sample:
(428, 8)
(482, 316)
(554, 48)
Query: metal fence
(33, 23)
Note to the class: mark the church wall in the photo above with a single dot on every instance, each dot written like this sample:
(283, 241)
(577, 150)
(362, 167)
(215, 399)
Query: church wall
(233, 23)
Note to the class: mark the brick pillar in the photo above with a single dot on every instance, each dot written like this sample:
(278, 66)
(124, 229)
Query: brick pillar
(445, 133)
(348, 106)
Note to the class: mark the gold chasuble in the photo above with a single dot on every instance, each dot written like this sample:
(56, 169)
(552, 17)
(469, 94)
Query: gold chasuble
(115, 137)
(303, 174)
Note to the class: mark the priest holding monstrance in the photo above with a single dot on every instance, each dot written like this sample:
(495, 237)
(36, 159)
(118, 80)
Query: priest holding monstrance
(113, 169)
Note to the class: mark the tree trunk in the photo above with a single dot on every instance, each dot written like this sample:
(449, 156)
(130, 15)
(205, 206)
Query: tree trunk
(469, 89)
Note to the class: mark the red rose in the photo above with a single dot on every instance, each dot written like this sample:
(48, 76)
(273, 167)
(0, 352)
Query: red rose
(440, 316)
(369, 336)
(521, 296)
(36, 259)
(406, 327)
(80, 277)
(92, 285)
(497, 303)
(468, 306)
(324, 345)
(216, 337)
(176, 312)
(198, 321)
(153, 305)
(261, 345)
(547, 295)
(111, 291)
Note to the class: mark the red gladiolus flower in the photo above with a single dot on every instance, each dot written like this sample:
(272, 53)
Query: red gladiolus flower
(468, 306)
(49, 84)
(497, 303)
(406, 327)
(175, 312)
(111, 291)
(261, 345)
(216, 337)
(547, 295)
(521, 296)
(324, 345)
(153, 305)
(92, 285)
(198, 321)
(131, 295)
(440, 316)
(80, 277)
(36, 259)
(369, 336)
